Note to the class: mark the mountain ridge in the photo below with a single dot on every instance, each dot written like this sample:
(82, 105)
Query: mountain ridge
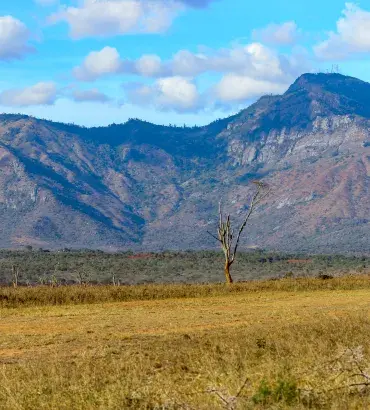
(144, 186)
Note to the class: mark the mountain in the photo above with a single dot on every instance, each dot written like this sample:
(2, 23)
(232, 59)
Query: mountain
(143, 186)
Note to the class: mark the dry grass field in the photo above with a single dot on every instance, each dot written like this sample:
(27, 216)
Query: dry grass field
(264, 345)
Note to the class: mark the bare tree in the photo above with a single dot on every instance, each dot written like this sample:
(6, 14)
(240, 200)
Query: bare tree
(114, 279)
(225, 232)
(15, 275)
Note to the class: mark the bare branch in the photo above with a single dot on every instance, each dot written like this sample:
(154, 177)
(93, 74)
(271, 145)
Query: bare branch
(220, 214)
(214, 236)
(256, 199)
(218, 394)
(359, 384)
(242, 387)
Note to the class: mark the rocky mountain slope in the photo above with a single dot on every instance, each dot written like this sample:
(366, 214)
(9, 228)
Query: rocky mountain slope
(144, 186)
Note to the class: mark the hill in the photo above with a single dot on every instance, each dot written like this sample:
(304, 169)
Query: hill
(143, 186)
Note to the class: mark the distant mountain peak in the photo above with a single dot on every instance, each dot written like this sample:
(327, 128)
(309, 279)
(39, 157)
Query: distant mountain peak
(320, 77)
(334, 83)
(309, 97)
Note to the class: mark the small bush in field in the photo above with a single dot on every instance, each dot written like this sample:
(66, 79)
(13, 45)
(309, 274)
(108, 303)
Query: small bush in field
(283, 391)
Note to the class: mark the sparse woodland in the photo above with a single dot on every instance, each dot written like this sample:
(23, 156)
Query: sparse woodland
(96, 267)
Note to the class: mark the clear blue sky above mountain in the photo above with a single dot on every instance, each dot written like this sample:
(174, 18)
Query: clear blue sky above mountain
(169, 61)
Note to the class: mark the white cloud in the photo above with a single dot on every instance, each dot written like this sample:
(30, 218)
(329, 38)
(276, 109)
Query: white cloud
(171, 93)
(108, 62)
(14, 37)
(93, 95)
(149, 65)
(103, 18)
(187, 63)
(237, 88)
(264, 61)
(352, 35)
(43, 93)
(180, 94)
(249, 71)
(278, 34)
(177, 92)
(254, 60)
(99, 63)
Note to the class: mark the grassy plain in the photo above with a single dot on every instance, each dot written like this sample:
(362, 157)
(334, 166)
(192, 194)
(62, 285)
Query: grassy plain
(261, 345)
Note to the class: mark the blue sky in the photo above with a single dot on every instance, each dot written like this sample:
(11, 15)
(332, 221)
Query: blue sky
(94, 62)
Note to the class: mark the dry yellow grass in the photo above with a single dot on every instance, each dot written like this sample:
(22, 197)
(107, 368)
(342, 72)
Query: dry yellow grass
(171, 353)
(72, 295)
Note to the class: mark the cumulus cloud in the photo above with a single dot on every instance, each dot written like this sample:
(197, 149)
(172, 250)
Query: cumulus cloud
(177, 92)
(14, 37)
(103, 18)
(278, 34)
(43, 93)
(93, 95)
(149, 66)
(266, 73)
(98, 64)
(254, 60)
(171, 93)
(248, 71)
(352, 35)
(237, 88)
(180, 94)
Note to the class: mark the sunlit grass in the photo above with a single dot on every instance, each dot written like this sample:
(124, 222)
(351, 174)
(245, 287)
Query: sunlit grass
(284, 339)
(65, 295)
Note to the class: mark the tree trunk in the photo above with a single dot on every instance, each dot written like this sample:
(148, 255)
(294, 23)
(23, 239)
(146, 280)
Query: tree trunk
(15, 272)
(228, 277)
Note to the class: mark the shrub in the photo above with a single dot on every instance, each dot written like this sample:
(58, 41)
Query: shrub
(283, 391)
